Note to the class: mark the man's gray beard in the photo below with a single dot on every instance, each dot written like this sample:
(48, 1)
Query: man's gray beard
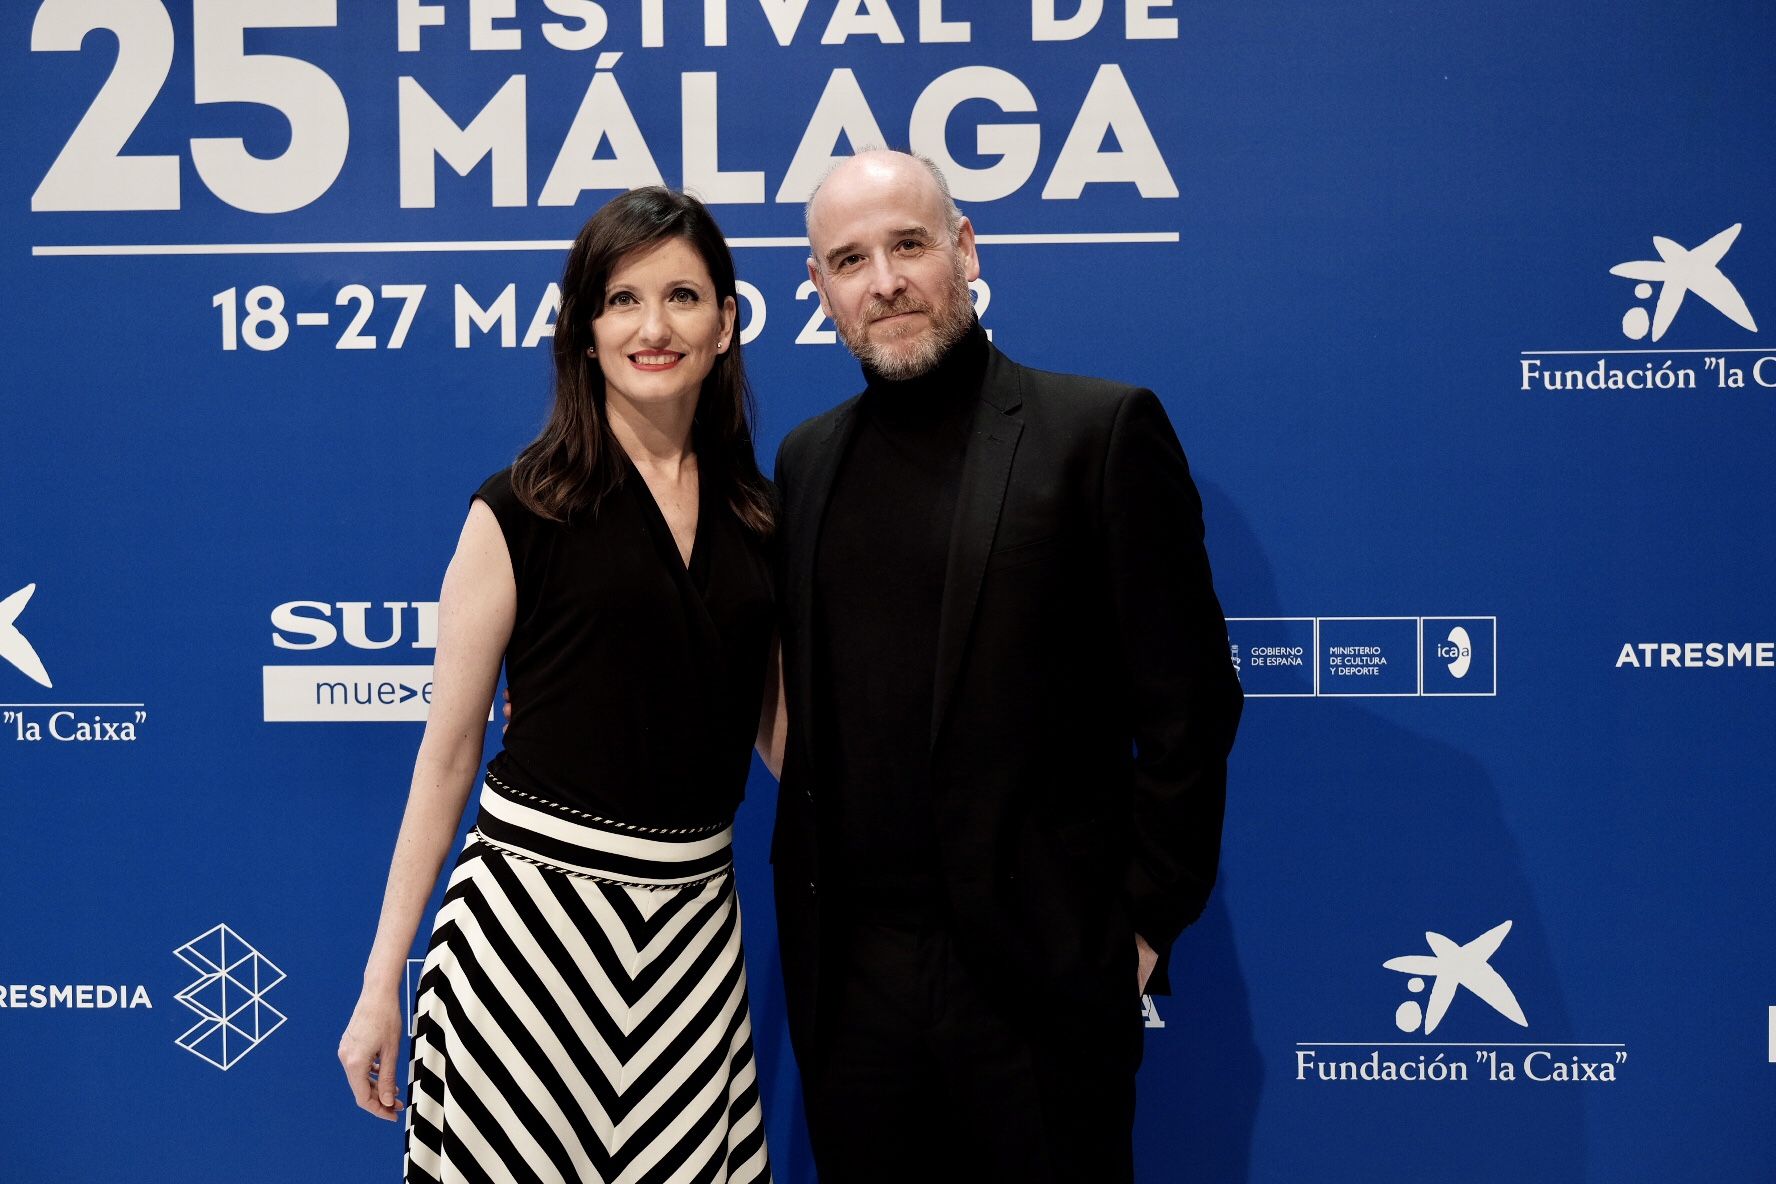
(899, 362)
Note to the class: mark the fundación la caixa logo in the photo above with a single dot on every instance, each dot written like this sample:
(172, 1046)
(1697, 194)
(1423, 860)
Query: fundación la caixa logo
(33, 722)
(344, 687)
(1666, 283)
(15, 647)
(1451, 968)
(228, 997)
(1458, 983)
(1678, 272)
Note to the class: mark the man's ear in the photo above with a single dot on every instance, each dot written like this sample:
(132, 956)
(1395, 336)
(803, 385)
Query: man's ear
(965, 244)
(819, 282)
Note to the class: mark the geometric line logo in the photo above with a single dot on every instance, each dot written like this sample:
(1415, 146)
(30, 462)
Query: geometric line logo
(229, 993)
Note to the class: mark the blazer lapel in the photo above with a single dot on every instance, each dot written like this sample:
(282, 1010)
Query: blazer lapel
(986, 470)
(805, 538)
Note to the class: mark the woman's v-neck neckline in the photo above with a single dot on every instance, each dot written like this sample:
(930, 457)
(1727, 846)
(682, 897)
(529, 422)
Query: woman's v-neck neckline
(687, 560)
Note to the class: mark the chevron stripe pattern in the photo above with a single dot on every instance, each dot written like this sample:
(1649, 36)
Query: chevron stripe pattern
(582, 1015)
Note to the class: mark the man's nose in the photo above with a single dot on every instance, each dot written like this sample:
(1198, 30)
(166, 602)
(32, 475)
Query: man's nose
(886, 281)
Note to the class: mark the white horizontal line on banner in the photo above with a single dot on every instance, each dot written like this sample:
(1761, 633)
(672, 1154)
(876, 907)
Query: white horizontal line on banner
(1441, 1044)
(298, 248)
(1111, 236)
(117, 249)
(73, 704)
(1748, 349)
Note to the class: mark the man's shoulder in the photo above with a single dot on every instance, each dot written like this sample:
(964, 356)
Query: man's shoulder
(807, 436)
(1076, 398)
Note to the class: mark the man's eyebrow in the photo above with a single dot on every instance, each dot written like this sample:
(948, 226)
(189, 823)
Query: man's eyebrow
(839, 252)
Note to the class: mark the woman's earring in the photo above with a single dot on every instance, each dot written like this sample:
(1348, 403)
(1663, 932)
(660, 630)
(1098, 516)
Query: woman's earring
(591, 351)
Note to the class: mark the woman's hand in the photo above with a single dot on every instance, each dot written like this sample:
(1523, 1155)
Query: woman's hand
(1145, 961)
(773, 729)
(370, 1050)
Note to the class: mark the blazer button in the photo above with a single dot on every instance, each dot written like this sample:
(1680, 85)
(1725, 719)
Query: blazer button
(811, 889)
(808, 792)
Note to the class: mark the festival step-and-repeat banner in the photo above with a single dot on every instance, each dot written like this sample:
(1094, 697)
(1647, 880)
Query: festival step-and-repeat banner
(1466, 315)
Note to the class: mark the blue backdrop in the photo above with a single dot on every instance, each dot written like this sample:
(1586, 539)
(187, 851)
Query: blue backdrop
(1493, 521)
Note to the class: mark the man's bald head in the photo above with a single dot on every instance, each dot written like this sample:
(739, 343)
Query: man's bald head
(873, 167)
(892, 258)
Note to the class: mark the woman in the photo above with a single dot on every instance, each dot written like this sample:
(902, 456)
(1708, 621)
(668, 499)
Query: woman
(582, 1014)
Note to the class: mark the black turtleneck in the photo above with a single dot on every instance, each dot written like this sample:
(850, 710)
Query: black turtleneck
(878, 595)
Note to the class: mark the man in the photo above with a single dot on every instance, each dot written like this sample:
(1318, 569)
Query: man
(1010, 707)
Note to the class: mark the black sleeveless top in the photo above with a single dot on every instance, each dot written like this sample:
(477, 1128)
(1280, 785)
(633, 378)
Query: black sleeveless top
(635, 682)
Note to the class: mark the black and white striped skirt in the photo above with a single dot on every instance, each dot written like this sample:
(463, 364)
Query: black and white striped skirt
(582, 1014)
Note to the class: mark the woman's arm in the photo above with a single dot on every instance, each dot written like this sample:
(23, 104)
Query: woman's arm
(773, 715)
(476, 609)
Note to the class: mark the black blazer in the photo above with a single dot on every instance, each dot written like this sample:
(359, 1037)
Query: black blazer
(1084, 705)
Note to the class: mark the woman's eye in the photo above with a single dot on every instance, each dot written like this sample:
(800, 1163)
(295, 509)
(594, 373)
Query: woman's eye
(684, 296)
(617, 298)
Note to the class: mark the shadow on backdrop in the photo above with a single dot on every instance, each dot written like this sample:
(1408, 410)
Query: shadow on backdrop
(1348, 837)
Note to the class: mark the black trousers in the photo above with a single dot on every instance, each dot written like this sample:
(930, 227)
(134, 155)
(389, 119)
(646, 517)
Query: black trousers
(927, 1076)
